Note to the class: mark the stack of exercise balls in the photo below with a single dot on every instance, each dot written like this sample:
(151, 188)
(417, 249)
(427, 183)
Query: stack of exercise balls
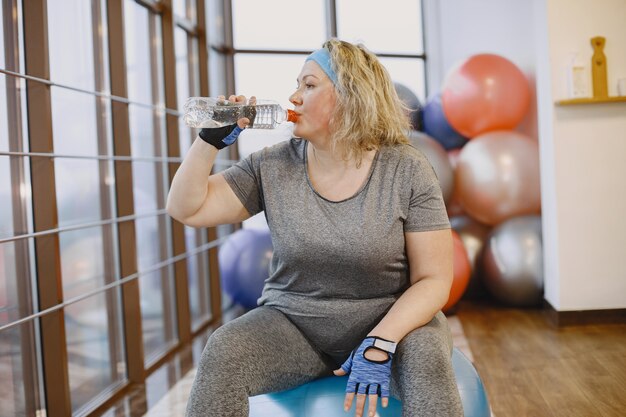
(493, 199)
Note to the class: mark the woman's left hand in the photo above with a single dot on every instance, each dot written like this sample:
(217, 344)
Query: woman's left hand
(370, 373)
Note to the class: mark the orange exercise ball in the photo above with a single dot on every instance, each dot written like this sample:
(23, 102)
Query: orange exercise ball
(462, 272)
(486, 92)
(497, 177)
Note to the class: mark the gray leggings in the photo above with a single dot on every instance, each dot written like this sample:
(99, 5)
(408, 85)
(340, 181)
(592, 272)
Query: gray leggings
(263, 351)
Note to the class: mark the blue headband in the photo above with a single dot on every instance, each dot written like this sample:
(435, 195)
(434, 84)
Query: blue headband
(322, 58)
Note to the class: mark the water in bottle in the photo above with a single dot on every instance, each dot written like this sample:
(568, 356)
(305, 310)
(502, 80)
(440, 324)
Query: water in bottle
(210, 112)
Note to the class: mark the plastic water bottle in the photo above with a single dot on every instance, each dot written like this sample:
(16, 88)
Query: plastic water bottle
(209, 112)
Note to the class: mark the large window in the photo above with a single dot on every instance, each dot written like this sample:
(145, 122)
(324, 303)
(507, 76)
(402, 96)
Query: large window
(87, 126)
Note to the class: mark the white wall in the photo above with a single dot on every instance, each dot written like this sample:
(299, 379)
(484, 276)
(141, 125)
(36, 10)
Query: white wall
(582, 149)
(587, 167)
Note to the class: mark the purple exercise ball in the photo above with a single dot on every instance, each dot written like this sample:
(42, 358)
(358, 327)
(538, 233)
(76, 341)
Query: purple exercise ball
(437, 126)
(244, 261)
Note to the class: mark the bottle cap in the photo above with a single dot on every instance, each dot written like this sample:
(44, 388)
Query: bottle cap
(292, 116)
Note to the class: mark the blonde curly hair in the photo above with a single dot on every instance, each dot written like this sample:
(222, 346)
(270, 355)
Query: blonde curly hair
(368, 113)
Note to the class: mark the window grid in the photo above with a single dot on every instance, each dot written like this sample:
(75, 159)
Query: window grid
(171, 159)
(108, 99)
(105, 95)
(118, 283)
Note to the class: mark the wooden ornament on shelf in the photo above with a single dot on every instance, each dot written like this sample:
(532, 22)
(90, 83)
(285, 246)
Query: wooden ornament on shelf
(599, 78)
(598, 68)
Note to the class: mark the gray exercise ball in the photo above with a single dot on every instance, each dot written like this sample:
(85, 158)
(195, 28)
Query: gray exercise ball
(411, 101)
(438, 158)
(512, 262)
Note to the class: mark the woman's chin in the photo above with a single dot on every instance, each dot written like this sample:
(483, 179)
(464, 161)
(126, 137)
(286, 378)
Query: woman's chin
(297, 132)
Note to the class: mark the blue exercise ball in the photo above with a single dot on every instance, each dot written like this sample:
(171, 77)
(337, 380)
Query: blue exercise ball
(324, 397)
(437, 126)
(244, 265)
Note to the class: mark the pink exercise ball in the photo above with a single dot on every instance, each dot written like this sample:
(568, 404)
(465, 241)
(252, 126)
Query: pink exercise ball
(438, 158)
(485, 93)
(497, 177)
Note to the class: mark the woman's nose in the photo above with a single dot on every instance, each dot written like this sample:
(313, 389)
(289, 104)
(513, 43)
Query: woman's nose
(295, 98)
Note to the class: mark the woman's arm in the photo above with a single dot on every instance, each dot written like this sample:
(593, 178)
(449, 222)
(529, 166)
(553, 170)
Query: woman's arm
(430, 258)
(430, 266)
(196, 197)
(199, 199)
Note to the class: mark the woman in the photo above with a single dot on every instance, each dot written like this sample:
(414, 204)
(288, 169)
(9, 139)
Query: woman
(362, 260)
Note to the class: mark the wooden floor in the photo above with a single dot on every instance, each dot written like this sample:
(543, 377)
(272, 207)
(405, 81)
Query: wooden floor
(531, 368)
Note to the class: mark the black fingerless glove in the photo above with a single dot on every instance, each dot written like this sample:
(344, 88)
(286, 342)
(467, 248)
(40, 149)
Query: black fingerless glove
(221, 137)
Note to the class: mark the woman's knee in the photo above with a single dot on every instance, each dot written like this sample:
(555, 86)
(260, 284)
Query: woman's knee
(422, 375)
(224, 351)
(428, 346)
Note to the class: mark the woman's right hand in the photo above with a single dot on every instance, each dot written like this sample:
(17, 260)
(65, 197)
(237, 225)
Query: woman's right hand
(249, 109)
(222, 137)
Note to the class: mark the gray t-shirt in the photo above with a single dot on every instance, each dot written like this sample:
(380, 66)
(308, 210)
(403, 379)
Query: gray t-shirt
(338, 266)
